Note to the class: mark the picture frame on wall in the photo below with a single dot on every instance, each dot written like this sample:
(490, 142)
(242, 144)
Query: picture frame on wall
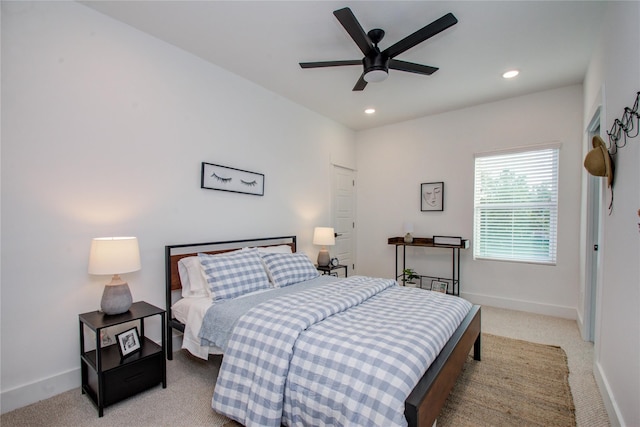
(128, 342)
(432, 196)
(224, 178)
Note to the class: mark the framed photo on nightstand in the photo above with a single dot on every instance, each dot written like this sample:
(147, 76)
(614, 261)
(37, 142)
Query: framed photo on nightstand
(128, 342)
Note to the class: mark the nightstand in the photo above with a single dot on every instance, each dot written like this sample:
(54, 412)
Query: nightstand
(329, 269)
(106, 377)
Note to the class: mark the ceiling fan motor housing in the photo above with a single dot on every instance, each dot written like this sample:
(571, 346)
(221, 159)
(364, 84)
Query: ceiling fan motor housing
(376, 67)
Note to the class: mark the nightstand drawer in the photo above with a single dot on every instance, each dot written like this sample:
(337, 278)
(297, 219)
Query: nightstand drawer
(132, 378)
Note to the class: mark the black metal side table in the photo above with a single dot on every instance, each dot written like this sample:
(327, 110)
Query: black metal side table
(107, 377)
(329, 269)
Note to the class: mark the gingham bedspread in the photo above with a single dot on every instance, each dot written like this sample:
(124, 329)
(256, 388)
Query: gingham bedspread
(346, 353)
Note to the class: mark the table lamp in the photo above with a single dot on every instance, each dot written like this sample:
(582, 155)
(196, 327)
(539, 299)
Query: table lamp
(408, 229)
(324, 236)
(114, 255)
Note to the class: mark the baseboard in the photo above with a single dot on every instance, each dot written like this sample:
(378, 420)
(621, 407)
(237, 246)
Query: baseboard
(39, 390)
(520, 305)
(615, 417)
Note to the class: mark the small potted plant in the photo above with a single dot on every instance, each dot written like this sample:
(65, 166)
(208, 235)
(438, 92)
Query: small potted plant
(409, 275)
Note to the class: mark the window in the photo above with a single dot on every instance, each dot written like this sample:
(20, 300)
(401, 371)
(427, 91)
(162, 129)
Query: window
(516, 205)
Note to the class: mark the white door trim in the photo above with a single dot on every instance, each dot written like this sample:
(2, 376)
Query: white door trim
(593, 257)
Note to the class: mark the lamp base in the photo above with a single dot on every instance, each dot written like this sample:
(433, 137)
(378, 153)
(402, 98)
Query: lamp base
(116, 299)
(323, 258)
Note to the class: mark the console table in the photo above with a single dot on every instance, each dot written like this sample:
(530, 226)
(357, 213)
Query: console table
(428, 242)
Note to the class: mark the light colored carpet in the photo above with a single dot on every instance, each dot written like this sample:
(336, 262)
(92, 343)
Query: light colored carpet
(187, 399)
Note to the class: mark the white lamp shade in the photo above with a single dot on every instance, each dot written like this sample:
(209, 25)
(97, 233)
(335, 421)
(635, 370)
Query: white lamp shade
(324, 236)
(407, 227)
(114, 255)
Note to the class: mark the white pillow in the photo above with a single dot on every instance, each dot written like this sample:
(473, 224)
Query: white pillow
(194, 284)
(180, 309)
(233, 275)
(280, 249)
(289, 269)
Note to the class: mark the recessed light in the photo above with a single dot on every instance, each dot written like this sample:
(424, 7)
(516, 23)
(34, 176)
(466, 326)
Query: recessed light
(370, 110)
(510, 74)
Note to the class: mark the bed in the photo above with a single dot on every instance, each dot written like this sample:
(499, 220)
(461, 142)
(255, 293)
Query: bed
(429, 390)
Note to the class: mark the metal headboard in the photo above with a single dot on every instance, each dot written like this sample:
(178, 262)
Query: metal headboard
(173, 254)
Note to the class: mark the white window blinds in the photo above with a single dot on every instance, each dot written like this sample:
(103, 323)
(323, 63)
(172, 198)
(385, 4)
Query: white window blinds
(516, 206)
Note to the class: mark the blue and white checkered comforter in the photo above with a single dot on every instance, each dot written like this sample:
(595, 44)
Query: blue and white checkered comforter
(345, 353)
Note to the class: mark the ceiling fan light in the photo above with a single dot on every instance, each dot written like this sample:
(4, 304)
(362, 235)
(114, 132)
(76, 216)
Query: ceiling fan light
(375, 76)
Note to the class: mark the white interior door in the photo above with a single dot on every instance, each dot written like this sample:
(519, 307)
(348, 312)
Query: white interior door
(344, 222)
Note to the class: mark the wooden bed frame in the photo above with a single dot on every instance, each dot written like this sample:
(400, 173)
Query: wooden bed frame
(425, 402)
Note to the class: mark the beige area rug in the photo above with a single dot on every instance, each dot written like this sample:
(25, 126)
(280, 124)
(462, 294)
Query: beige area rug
(517, 383)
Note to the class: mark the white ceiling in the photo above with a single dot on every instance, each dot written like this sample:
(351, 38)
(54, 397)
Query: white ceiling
(550, 42)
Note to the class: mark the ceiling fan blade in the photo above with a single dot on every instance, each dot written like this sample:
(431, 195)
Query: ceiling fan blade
(411, 67)
(360, 84)
(421, 35)
(353, 27)
(330, 63)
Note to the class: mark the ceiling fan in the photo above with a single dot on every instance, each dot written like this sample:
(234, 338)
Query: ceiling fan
(377, 63)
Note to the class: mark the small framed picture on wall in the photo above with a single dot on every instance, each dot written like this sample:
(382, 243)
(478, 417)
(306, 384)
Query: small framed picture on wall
(432, 196)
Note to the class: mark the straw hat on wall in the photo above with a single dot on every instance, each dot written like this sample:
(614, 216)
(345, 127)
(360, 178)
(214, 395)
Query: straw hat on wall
(598, 161)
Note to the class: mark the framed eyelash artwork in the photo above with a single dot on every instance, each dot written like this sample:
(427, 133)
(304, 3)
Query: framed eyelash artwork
(223, 178)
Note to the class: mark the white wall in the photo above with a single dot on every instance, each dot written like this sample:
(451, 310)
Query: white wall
(103, 132)
(394, 160)
(613, 81)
